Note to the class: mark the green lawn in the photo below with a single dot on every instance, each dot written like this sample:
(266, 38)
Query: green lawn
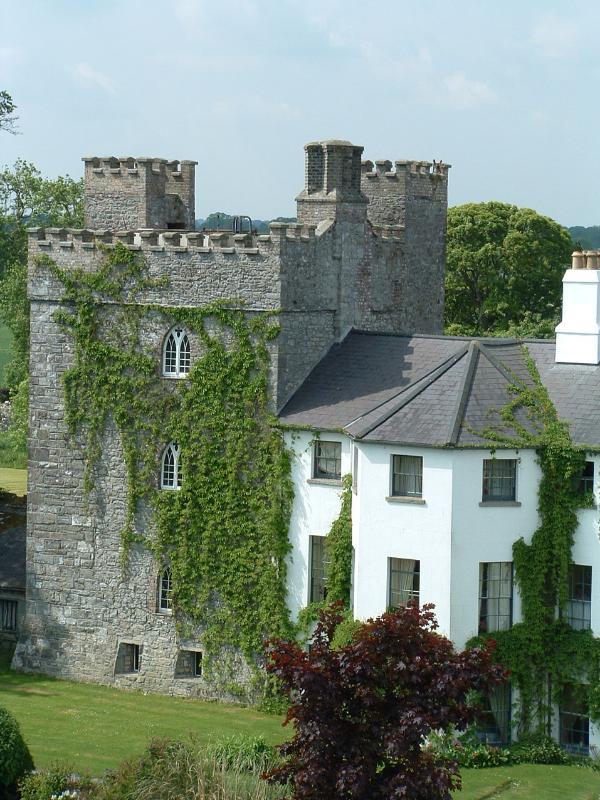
(93, 728)
(530, 782)
(14, 480)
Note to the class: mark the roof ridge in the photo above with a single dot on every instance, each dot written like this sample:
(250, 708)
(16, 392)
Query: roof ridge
(464, 391)
(408, 393)
(498, 365)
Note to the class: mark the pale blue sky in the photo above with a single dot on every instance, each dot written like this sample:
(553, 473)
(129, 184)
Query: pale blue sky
(504, 91)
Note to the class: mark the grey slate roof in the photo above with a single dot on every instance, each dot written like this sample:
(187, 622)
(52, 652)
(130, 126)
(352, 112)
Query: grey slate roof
(436, 390)
(12, 546)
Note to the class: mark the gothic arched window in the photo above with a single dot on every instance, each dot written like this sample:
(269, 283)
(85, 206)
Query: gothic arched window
(176, 354)
(170, 475)
(165, 591)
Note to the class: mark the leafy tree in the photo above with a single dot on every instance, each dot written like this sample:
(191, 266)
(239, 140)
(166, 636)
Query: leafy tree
(26, 198)
(503, 262)
(8, 119)
(585, 238)
(363, 710)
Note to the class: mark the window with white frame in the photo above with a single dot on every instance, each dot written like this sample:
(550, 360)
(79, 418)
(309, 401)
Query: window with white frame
(176, 354)
(574, 721)
(407, 476)
(499, 480)
(171, 473)
(494, 720)
(584, 482)
(318, 569)
(403, 581)
(165, 591)
(579, 604)
(327, 460)
(495, 595)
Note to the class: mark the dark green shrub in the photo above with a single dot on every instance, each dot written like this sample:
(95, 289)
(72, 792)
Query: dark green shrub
(15, 758)
(539, 749)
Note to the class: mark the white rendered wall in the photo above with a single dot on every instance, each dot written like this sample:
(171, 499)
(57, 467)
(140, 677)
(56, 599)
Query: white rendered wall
(384, 528)
(450, 533)
(486, 532)
(316, 506)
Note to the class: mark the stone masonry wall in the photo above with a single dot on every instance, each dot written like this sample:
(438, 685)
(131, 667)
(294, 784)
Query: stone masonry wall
(370, 259)
(80, 604)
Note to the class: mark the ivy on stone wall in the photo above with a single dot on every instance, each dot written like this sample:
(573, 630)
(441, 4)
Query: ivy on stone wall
(543, 652)
(338, 566)
(224, 534)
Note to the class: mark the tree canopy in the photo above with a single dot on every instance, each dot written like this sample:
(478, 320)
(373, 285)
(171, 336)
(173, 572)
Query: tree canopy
(363, 711)
(8, 120)
(504, 267)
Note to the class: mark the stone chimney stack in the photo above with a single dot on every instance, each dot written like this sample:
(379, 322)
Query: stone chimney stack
(332, 183)
(578, 335)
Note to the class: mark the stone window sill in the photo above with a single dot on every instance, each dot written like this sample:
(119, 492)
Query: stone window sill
(499, 504)
(165, 612)
(324, 481)
(413, 501)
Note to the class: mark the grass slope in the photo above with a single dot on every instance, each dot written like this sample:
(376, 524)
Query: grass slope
(93, 728)
(14, 480)
(530, 782)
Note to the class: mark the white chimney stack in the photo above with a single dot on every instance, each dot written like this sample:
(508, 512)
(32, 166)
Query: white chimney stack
(578, 335)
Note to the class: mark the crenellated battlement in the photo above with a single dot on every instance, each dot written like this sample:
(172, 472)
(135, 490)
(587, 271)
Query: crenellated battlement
(97, 167)
(383, 168)
(58, 239)
(134, 192)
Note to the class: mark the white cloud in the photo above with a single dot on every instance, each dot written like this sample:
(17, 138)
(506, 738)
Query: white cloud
(555, 37)
(88, 75)
(463, 93)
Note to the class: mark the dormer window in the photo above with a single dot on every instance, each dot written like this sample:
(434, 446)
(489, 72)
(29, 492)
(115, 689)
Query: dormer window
(171, 473)
(176, 355)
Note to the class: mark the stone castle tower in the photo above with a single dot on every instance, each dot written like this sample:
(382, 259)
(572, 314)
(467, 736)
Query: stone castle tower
(367, 252)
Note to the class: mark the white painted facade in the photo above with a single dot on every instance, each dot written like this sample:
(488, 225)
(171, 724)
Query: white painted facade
(450, 532)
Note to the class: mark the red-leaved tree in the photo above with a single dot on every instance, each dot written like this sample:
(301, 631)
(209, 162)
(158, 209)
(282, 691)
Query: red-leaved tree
(362, 712)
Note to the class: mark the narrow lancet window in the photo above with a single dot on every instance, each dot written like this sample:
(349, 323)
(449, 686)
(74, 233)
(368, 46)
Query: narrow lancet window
(171, 473)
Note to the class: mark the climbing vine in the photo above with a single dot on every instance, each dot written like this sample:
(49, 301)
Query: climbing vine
(224, 534)
(338, 563)
(543, 652)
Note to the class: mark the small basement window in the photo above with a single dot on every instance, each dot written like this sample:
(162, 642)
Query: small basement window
(189, 664)
(8, 615)
(128, 658)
